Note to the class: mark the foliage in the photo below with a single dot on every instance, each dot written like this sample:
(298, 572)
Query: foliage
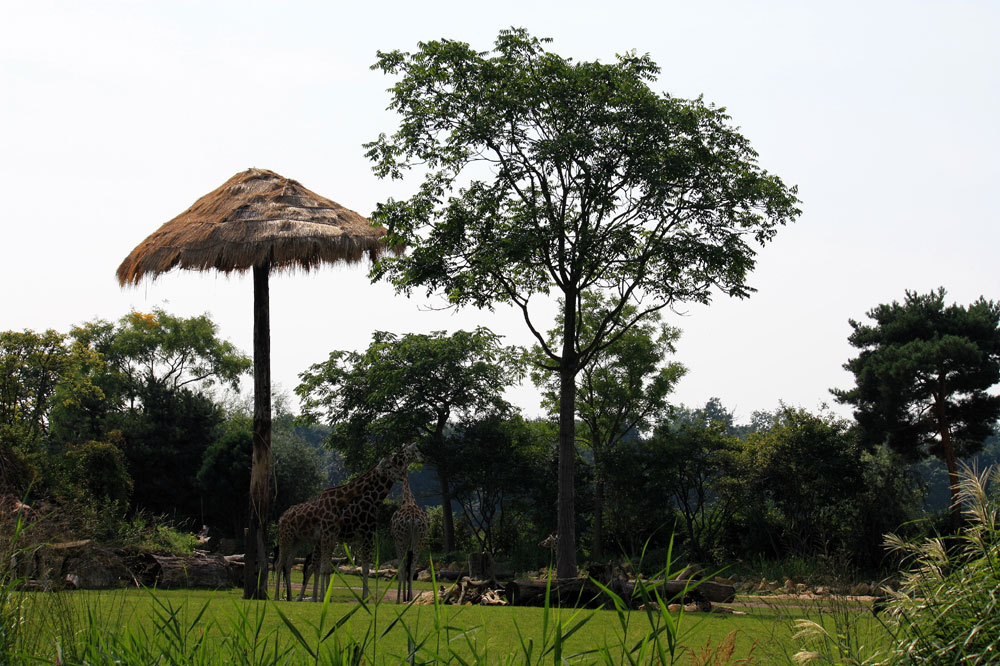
(498, 464)
(223, 475)
(100, 468)
(146, 533)
(39, 371)
(160, 348)
(616, 394)
(923, 375)
(541, 174)
(145, 354)
(946, 610)
(694, 462)
(164, 445)
(798, 484)
(404, 387)
(409, 387)
(299, 471)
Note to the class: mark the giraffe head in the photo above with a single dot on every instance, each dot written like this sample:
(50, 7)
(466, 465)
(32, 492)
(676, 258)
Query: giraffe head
(395, 464)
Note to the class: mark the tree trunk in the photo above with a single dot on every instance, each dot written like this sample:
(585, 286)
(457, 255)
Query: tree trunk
(566, 512)
(597, 550)
(447, 519)
(255, 572)
(944, 429)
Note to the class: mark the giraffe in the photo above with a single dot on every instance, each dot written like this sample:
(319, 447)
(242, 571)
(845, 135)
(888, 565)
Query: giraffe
(317, 522)
(409, 527)
(344, 513)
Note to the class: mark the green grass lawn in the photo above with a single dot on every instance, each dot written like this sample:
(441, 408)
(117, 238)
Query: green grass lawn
(221, 623)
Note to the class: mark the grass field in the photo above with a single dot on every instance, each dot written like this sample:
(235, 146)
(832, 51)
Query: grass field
(195, 626)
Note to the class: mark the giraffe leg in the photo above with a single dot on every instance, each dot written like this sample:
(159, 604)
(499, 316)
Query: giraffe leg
(408, 583)
(308, 569)
(364, 553)
(277, 574)
(399, 581)
(323, 566)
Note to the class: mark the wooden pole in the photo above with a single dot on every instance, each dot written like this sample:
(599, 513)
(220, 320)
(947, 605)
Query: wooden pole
(255, 572)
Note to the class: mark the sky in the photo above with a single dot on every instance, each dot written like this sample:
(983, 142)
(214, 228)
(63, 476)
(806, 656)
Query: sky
(116, 116)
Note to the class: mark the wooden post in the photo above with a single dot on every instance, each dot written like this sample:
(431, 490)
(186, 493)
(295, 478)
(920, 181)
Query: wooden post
(255, 572)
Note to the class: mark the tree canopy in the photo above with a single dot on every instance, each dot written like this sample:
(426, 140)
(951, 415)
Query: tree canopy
(922, 378)
(542, 175)
(408, 387)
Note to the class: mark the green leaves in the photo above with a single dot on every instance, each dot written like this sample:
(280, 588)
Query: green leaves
(923, 376)
(570, 168)
(924, 369)
(406, 386)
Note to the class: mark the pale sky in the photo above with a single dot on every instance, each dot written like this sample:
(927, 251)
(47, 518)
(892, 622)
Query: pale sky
(116, 116)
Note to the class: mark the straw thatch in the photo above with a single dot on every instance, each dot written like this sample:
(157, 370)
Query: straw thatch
(256, 218)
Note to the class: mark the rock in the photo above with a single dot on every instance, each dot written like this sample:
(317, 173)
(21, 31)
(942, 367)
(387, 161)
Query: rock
(81, 565)
(675, 608)
(424, 575)
(801, 588)
(821, 591)
(789, 585)
(861, 590)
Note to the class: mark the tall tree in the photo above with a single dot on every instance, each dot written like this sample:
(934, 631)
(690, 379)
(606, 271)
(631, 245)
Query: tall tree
(405, 387)
(542, 174)
(617, 393)
(922, 378)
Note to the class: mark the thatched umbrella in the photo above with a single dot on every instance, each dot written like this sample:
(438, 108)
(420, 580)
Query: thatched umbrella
(257, 220)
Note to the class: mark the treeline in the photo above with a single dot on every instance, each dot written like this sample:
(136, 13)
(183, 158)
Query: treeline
(141, 417)
(138, 422)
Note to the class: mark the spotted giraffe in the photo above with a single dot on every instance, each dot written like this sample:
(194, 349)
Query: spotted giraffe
(347, 516)
(409, 527)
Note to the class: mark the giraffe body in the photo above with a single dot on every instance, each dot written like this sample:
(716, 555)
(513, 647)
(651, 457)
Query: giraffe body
(317, 522)
(344, 513)
(409, 526)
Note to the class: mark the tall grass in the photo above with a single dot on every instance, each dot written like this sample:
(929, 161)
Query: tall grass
(946, 610)
(11, 599)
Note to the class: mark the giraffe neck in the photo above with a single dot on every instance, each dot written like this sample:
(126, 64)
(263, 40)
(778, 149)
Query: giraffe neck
(407, 493)
(379, 486)
(375, 480)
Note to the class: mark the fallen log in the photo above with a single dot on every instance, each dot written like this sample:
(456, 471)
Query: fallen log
(583, 592)
(569, 592)
(685, 591)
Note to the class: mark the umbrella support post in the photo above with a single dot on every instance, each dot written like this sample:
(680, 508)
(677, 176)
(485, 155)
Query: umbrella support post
(255, 574)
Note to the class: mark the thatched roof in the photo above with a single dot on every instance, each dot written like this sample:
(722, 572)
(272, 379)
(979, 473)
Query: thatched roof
(256, 217)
